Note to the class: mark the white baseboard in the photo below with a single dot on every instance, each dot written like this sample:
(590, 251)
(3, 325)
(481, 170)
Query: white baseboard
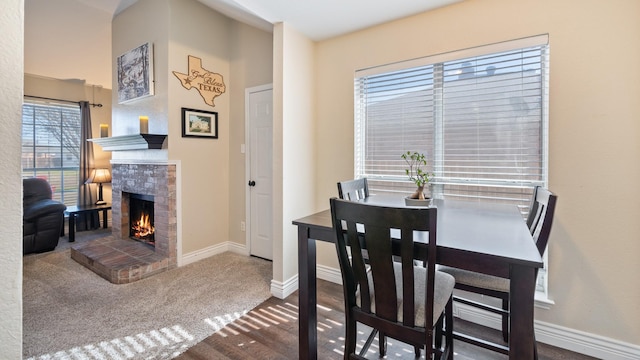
(329, 274)
(566, 338)
(213, 250)
(283, 289)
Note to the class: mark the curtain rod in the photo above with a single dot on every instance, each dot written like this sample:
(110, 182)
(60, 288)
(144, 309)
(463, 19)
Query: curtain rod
(68, 101)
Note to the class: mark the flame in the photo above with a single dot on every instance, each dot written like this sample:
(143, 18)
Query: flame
(143, 228)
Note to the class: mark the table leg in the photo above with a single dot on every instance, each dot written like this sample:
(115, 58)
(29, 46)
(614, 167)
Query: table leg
(104, 218)
(72, 227)
(307, 296)
(521, 302)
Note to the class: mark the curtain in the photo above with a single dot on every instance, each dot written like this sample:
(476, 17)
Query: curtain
(87, 193)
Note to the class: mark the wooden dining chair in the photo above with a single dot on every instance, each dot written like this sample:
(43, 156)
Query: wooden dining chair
(539, 221)
(398, 299)
(353, 189)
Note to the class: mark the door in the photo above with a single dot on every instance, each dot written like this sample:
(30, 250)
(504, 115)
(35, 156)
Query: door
(259, 184)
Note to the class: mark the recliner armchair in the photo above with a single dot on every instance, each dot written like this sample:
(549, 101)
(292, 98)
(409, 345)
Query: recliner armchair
(43, 217)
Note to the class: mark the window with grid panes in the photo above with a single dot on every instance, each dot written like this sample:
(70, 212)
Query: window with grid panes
(479, 115)
(51, 147)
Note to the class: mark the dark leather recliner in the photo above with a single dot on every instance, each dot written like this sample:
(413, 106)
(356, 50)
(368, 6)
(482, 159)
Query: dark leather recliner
(43, 217)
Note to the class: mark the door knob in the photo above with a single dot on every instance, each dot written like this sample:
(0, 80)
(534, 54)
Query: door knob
(252, 183)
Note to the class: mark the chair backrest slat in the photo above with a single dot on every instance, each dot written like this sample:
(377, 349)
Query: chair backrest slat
(353, 189)
(540, 217)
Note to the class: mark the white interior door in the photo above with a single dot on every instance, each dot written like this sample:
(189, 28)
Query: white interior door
(259, 185)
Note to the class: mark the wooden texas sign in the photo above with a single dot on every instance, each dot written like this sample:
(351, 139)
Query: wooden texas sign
(209, 84)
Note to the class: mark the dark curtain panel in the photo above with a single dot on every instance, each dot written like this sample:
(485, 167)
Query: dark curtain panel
(87, 193)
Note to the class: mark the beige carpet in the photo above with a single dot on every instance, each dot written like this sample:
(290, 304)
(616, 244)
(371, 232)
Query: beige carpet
(72, 313)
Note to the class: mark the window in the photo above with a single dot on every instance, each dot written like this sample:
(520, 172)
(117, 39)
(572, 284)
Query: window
(479, 115)
(51, 147)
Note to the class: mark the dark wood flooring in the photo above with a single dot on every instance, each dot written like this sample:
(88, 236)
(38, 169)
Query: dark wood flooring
(270, 331)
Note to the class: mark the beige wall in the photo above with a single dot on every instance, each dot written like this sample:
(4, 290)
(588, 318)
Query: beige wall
(67, 39)
(204, 162)
(594, 136)
(11, 88)
(212, 191)
(251, 65)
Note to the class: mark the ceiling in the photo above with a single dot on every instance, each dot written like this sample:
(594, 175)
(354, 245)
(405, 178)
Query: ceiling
(317, 19)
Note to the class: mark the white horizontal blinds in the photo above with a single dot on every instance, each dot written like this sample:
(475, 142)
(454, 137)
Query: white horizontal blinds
(396, 112)
(493, 129)
(478, 114)
(51, 147)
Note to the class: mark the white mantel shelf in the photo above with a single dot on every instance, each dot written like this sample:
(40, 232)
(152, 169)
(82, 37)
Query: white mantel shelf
(130, 142)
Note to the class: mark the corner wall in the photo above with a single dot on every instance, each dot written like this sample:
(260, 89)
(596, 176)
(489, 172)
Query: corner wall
(294, 152)
(11, 90)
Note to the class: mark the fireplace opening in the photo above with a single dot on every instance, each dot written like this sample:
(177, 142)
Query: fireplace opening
(141, 218)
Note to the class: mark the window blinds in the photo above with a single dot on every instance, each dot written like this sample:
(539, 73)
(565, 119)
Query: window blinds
(51, 147)
(481, 120)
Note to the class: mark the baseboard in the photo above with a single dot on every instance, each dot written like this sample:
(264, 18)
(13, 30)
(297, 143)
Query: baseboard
(329, 274)
(566, 338)
(283, 289)
(213, 250)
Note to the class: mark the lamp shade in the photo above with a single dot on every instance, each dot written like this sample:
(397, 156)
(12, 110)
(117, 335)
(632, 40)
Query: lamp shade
(99, 176)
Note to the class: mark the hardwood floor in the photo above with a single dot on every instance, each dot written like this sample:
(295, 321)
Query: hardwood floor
(270, 331)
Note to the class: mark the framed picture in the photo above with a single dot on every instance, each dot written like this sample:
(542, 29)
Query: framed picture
(135, 73)
(199, 123)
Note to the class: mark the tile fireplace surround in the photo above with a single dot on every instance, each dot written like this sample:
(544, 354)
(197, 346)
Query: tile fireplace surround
(120, 259)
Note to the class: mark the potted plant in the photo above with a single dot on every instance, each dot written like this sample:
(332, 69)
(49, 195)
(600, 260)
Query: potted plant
(416, 173)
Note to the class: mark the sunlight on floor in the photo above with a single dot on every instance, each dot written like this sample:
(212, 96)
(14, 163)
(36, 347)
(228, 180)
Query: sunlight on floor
(172, 341)
(127, 347)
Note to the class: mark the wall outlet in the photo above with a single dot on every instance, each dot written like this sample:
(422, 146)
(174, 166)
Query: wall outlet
(242, 226)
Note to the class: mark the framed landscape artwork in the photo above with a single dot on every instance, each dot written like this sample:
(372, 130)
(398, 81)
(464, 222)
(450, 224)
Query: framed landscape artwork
(135, 73)
(199, 123)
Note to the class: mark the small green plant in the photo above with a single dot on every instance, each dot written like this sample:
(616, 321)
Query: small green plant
(416, 173)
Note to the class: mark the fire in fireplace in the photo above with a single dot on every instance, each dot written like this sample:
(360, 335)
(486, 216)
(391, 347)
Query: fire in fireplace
(141, 218)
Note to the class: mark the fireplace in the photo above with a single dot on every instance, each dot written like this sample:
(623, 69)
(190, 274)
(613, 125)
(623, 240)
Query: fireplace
(141, 219)
(140, 191)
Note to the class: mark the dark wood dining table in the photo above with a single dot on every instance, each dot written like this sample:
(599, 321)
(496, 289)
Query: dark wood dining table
(477, 236)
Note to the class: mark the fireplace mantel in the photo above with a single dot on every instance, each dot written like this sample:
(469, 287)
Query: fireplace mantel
(130, 142)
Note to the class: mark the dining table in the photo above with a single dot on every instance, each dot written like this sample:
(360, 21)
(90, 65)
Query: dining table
(484, 237)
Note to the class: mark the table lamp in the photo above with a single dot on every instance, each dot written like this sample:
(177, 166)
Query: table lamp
(99, 176)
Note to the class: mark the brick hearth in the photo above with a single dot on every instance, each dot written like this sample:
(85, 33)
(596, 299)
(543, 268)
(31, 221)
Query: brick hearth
(120, 259)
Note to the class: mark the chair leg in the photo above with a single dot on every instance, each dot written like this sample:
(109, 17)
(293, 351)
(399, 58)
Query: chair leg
(505, 320)
(350, 340)
(382, 339)
(449, 329)
(438, 333)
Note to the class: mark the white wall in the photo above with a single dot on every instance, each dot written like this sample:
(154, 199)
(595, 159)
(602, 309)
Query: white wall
(594, 136)
(294, 145)
(11, 88)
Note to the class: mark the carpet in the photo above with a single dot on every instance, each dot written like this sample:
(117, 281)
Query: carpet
(70, 312)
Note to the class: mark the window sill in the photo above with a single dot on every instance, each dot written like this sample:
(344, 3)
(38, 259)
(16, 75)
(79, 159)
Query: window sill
(542, 301)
